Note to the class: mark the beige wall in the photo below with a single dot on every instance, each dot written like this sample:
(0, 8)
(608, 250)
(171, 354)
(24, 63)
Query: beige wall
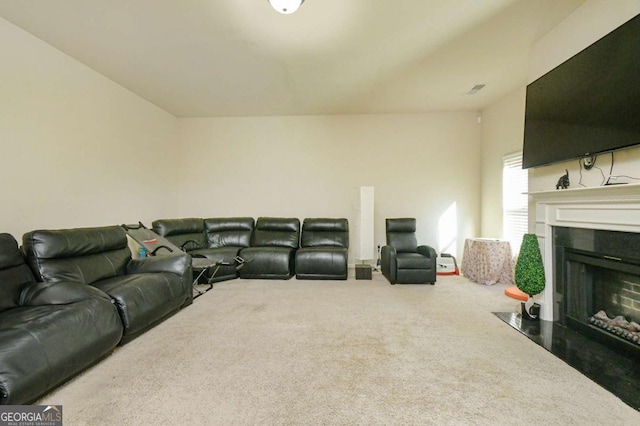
(587, 24)
(75, 148)
(79, 150)
(310, 166)
(503, 122)
(502, 134)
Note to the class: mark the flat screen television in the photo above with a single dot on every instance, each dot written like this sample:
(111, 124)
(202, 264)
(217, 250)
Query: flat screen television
(589, 104)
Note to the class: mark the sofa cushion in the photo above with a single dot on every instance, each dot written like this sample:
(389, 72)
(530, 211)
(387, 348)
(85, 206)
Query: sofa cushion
(45, 345)
(180, 231)
(170, 227)
(413, 261)
(83, 254)
(57, 293)
(321, 263)
(143, 299)
(276, 232)
(268, 262)
(50, 244)
(13, 272)
(223, 232)
(325, 232)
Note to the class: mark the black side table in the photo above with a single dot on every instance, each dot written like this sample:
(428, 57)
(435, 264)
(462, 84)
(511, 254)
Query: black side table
(363, 272)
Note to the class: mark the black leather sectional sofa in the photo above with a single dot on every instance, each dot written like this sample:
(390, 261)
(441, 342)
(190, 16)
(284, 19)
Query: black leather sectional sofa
(272, 248)
(70, 297)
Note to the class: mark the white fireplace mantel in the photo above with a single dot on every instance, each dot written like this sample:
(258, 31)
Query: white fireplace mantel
(612, 208)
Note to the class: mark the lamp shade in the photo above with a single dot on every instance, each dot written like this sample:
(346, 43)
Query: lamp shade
(286, 7)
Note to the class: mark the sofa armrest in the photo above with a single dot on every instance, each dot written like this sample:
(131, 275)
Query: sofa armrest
(427, 251)
(174, 264)
(57, 293)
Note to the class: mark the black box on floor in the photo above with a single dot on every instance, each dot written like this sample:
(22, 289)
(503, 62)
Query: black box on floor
(363, 272)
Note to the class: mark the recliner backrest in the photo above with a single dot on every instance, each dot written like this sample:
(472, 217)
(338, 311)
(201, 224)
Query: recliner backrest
(276, 232)
(86, 255)
(401, 234)
(325, 232)
(180, 231)
(229, 231)
(14, 272)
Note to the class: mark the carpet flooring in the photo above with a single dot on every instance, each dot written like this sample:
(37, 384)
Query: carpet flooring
(355, 352)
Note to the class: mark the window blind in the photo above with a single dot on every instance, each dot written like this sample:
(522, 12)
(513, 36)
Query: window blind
(515, 202)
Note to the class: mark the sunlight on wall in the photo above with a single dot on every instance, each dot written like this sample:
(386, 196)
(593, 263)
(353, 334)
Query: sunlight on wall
(448, 231)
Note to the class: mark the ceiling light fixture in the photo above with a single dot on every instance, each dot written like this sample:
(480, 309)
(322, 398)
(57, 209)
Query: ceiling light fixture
(286, 7)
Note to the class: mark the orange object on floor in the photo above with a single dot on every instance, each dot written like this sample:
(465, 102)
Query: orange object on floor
(454, 272)
(515, 293)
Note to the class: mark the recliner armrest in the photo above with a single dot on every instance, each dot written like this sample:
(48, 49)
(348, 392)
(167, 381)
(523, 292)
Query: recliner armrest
(178, 265)
(388, 251)
(427, 251)
(57, 293)
(388, 263)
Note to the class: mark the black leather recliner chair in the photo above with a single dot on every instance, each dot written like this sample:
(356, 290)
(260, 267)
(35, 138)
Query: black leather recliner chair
(273, 246)
(403, 261)
(145, 291)
(323, 253)
(217, 239)
(48, 331)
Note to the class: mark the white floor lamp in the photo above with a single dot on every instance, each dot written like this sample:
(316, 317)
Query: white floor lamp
(365, 232)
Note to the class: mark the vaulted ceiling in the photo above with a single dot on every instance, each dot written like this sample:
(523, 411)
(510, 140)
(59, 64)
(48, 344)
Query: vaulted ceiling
(214, 58)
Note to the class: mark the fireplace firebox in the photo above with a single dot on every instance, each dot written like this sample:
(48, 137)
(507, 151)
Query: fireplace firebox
(597, 289)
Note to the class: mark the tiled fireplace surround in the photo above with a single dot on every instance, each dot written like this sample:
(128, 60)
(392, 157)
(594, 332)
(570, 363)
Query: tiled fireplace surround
(612, 208)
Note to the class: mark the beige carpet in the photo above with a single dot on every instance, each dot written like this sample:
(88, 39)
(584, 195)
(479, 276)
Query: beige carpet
(256, 352)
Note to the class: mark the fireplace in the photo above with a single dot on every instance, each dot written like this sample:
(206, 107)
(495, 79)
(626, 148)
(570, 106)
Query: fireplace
(590, 244)
(603, 208)
(597, 285)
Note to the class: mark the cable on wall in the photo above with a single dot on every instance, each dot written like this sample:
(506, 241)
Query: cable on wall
(611, 176)
(580, 169)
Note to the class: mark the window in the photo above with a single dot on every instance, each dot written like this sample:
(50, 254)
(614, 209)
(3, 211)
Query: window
(515, 202)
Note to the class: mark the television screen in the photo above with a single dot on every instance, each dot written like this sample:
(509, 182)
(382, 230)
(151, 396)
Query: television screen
(588, 105)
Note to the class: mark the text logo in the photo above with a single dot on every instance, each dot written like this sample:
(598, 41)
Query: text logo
(30, 415)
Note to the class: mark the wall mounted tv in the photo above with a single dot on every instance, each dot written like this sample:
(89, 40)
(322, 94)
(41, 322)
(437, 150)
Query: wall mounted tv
(589, 104)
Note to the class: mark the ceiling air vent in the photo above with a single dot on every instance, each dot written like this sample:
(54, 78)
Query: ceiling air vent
(475, 89)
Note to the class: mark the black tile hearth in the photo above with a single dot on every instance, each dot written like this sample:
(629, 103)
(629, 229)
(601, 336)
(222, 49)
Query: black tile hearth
(618, 373)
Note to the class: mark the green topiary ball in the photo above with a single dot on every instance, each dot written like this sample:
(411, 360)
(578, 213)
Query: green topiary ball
(529, 273)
